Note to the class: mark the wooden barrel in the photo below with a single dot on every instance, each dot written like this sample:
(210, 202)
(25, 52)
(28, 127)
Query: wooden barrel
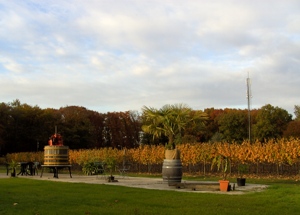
(56, 155)
(172, 170)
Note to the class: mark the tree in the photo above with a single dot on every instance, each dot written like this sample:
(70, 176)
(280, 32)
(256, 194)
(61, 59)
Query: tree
(233, 125)
(170, 121)
(75, 127)
(270, 122)
(293, 129)
(24, 128)
(122, 129)
(4, 123)
(195, 129)
(212, 127)
(96, 132)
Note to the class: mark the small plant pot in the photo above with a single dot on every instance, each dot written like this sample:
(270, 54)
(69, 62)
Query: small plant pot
(224, 184)
(172, 154)
(111, 179)
(241, 181)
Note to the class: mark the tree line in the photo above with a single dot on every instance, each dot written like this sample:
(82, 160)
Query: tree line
(25, 128)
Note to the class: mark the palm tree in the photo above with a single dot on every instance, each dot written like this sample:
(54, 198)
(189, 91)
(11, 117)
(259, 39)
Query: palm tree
(171, 121)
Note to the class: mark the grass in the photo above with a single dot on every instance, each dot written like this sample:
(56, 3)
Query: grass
(26, 196)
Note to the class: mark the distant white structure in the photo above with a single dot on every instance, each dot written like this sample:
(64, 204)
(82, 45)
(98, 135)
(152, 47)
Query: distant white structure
(249, 96)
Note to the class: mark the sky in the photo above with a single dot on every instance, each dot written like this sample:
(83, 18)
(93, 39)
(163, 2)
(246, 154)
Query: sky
(121, 55)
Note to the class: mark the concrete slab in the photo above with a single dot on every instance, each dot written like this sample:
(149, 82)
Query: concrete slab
(149, 183)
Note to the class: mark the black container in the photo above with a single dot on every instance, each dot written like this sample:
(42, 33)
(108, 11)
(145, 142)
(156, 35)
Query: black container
(241, 181)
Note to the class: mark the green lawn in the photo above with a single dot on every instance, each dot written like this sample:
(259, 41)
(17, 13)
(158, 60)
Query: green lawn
(27, 196)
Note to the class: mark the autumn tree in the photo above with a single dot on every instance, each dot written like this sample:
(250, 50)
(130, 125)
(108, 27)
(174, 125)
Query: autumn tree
(96, 130)
(195, 129)
(293, 129)
(212, 128)
(121, 129)
(134, 128)
(113, 130)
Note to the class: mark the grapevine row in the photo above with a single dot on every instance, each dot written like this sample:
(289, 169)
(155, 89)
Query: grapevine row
(277, 152)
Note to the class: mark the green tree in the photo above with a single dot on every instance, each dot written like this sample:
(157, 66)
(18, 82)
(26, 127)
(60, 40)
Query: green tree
(170, 121)
(4, 123)
(233, 125)
(25, 127)
(75, 127)
(271, 122)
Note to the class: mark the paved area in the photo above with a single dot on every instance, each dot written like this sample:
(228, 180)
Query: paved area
(149, 183)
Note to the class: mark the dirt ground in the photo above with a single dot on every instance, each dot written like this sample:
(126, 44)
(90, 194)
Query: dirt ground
(150, 183)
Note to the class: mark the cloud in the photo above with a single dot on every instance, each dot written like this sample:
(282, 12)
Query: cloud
(121, 56)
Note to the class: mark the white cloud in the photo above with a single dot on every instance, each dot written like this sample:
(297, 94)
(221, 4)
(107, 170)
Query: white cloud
(121, 56)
